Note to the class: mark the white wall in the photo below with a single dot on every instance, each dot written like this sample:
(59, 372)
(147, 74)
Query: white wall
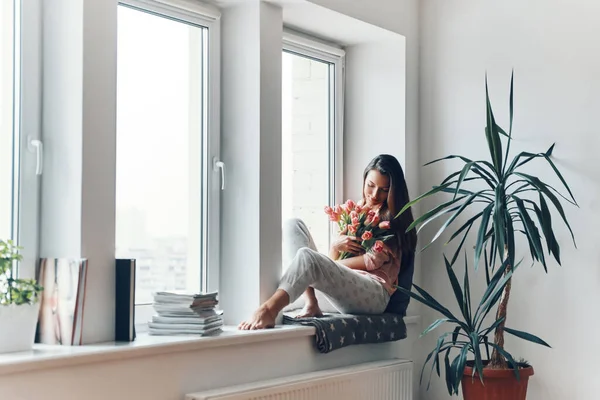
(271, 34)
(78, 125)
(395, 15)
(552, 46)
(251, 149)
(374, 120)
(400, 16)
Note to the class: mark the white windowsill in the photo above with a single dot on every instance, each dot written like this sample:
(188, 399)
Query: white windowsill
(50, 356)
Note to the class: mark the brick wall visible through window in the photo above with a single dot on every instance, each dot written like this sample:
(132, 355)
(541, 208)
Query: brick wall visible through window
(306, 131)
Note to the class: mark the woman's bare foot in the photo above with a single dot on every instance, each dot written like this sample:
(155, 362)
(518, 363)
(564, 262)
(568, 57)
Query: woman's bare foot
(310, 310)
(263, 318)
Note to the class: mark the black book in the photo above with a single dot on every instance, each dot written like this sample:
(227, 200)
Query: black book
(124, 300)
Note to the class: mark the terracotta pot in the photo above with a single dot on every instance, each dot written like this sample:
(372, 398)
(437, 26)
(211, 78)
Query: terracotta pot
(500, 384)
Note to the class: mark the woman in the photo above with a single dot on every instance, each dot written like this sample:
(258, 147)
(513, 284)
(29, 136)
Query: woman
(361, 284)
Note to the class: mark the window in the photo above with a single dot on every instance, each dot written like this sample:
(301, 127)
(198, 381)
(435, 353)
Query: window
(8, 133)
(20, 145)
(166, 133)
(312, 133)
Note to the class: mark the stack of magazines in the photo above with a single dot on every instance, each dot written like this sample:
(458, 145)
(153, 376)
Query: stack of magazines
(185, 314)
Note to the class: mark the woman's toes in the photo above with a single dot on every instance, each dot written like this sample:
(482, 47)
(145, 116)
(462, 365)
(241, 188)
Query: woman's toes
(262, 319)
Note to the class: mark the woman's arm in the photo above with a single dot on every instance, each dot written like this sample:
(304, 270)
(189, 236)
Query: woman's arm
(356, 262)
(333, 254)
(344, 243)
(368, 261)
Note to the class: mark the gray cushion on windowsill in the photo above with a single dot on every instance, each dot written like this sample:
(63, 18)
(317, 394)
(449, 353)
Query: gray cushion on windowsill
(334, 331)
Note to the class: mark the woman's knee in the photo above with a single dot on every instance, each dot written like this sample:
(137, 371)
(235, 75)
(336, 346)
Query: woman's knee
(292, 225)
(306, 253)
(307, 258)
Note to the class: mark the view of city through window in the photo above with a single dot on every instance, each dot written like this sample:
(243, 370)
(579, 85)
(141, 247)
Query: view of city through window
(159, 149)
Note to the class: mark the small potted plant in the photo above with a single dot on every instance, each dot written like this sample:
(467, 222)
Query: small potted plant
(19, 303)
(501, 203)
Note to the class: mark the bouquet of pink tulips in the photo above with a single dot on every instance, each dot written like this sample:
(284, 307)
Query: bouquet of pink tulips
(361, 222)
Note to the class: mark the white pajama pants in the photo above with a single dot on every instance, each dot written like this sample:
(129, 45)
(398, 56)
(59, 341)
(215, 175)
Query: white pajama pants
(349, 291)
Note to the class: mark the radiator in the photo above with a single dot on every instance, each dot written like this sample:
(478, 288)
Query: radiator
(381, 380)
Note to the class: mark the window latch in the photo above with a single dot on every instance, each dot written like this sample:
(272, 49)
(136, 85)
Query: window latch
(220, 165)
(36, 146)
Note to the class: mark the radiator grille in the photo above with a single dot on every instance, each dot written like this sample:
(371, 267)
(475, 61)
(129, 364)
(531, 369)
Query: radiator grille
(385, 380)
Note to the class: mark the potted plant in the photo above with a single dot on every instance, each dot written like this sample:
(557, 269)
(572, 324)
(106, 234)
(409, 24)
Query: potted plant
(19, 303)
(502, 204)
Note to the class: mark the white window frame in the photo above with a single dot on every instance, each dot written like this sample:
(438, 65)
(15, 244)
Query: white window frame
(333, 54)
(208, 17)
(27, 126)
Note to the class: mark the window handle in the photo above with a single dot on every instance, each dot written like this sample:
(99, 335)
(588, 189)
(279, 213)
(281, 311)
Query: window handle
(220, 165)
(36, 146)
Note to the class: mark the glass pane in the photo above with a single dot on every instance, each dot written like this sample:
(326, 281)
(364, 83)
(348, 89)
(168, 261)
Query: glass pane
(306, 144)
(7, 111)
(159, 149)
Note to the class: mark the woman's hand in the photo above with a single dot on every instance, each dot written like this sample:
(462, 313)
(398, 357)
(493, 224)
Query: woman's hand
(347, 244)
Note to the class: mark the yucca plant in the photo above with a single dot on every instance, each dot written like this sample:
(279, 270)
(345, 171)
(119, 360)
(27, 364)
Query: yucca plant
(501, 203)
(469, 334)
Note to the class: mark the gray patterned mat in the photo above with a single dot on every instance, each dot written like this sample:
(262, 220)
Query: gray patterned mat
(335, 331)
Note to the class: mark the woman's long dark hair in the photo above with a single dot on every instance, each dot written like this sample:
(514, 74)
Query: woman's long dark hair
(389, 166)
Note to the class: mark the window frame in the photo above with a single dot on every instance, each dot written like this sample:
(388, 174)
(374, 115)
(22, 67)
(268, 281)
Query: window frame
(27, 121)
(306, 46)
(209, 18)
